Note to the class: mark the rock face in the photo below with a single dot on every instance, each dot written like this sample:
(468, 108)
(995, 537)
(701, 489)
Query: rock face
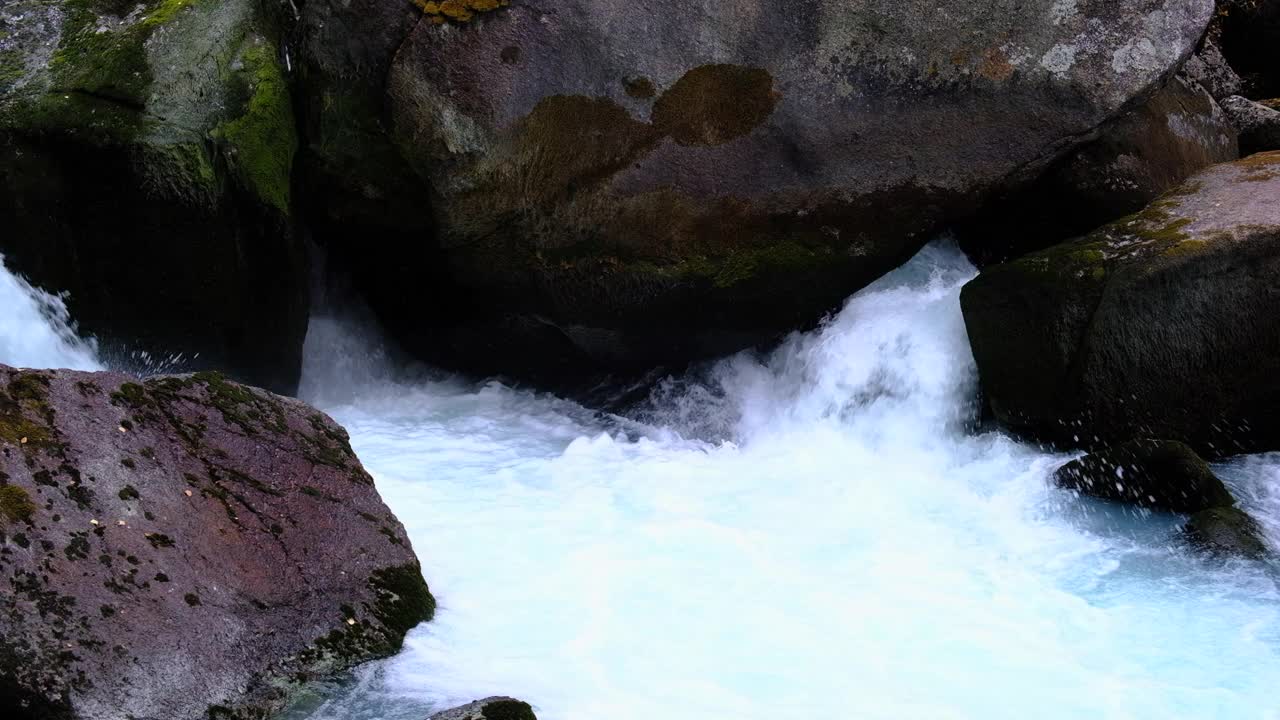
(146, 154)
(184, 548)
(1159, 325)
(1148, 473)
(618, 185)
(1258, 123)
(493, 708)
(1137, 157)
(1226, 531)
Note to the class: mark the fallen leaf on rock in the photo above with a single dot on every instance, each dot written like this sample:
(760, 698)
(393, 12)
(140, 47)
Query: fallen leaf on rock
(187, 493)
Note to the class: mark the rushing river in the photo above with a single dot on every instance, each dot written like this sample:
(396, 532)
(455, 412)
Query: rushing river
(817, 533)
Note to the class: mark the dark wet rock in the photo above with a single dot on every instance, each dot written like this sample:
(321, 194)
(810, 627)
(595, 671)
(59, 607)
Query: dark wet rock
(1158, 325)
(185, 547)
(1155, 474)
(615, 186)
(146, 155)
(1137, 157)
(1226, 531)
(1257, 123)
(493, 708)
(1248, 31)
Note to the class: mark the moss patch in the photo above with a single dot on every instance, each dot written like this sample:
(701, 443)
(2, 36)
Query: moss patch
(16, 504)
(262, 142)
(508, 710)
(713, 104)
(403, 599)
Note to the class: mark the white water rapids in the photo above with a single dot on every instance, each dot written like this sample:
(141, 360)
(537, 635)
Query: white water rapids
(816, 533)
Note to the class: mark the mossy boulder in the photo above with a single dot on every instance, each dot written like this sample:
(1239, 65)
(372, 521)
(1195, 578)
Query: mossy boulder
(492, 708)
(1156, 474)
(616, 185)
(1226, 531)
(146, 154)
(185, 547)
(1161, 324)
(1136, 157)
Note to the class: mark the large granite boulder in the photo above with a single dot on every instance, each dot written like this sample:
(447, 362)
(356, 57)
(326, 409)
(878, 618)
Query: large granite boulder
(185, 548)
(146, 154)
(1158, 325)
(1137, 156)
(619, 185)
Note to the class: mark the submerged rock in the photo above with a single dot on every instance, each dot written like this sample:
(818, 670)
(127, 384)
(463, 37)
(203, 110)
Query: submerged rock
(1158, 325)
(185, 547)
(146, 153)
(492, 708)
(1257, 123)
(1148, 473)
(1227, 531)
(620, 185)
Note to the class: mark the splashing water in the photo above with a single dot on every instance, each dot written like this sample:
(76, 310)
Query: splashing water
(821, 532)
(818, 533)
(36, 330)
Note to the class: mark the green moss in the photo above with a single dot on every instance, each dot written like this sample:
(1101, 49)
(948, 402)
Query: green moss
(508, 710)
(402, 599)
(192, 599)
(129, 492)
(16, 504)
(262, 141)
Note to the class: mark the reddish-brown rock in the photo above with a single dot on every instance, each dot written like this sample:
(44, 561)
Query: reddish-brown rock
(185, 547)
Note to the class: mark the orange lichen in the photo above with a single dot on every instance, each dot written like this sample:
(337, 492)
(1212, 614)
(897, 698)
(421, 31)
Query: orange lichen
(441, 11)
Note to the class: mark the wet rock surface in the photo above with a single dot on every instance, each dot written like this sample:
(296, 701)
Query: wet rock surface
(146, 154)
(185, 547)
(492, 708)
(1157, 325)
(615, 186)
(1155, 474)
(1226, 531)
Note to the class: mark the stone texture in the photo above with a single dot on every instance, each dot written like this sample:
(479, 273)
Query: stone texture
(1154, 474)
(1158, 325)
(619, 185)
(492, 708)
(1257, 123)
(1137, 157)
(146, 155)
(1226, 531)
(185, 547)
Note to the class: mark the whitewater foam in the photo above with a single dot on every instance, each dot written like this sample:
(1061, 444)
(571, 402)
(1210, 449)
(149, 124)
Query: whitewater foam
(36, 329)
(819, 532)
(816, 533)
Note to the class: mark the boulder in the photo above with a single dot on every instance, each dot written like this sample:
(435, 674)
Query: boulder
(1153, 474)
(146, 157)
(615, 186)
(1137, 156)
(185, 547)
(493, 708)
(1226, 531)
(1257, 123)
(1161, 324)
(1211, 71)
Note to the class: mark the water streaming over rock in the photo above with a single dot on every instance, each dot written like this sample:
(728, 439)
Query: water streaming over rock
(822, 531)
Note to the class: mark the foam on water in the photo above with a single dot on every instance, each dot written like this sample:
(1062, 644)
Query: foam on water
(817, 533)
(35, 329)
(821, 532)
